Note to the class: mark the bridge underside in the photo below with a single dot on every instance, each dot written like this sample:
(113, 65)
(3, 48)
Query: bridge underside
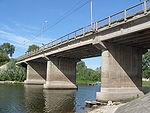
(80, 52)
(140, 39)
(60, 68)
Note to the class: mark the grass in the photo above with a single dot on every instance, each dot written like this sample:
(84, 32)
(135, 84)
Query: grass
(145, 83)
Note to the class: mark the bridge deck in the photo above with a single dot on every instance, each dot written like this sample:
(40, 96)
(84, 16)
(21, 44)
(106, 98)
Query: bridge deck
(121, 17)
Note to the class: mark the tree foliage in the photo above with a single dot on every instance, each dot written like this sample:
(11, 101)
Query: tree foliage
(84, 73)
(3, 59)
(7, 49)
(32, 48)
(13, 73)
(146, 65)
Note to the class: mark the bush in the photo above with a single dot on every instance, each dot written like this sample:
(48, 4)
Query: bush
(3, 59)
(13, 73)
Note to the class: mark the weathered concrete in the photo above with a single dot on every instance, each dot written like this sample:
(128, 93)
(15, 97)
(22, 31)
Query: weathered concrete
(140, 105)
(61, 73)
(121, 73)
(36, 73)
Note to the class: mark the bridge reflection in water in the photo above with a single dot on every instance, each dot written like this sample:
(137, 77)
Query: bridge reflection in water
(57, 101)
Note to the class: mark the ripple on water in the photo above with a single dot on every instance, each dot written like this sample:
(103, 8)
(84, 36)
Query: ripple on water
(33, 99)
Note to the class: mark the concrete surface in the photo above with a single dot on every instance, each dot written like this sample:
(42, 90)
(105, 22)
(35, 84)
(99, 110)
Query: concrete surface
(140, 105)
(61, 73)
(121, 73)
(36, 73)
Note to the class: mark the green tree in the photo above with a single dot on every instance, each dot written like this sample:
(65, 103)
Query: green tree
(146, 65)
(86, 74)
(32, 48)
(7, 49)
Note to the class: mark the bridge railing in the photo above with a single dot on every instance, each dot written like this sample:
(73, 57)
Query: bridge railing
(141, 8)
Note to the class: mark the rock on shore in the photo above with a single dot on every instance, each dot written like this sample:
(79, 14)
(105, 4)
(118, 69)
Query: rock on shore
(140, 105)
(106, 109)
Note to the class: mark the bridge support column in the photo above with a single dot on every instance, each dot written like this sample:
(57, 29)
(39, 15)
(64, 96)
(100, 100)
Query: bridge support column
(61, 73)
(121, 73)
(36, 73)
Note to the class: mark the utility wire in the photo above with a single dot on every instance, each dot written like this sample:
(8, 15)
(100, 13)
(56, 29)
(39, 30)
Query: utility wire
(68, 13)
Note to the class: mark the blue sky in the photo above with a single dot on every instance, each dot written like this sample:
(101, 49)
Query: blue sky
(21, 20)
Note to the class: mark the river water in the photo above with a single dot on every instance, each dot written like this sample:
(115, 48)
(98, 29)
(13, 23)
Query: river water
(33, 99)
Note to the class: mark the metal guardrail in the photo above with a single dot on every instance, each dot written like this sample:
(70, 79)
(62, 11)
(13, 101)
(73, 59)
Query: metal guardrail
(141, 8)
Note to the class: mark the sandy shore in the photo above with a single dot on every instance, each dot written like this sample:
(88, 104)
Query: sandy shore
(105, 109)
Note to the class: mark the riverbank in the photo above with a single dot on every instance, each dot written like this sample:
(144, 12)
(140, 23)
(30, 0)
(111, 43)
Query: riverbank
(81, 82)
(106, 109)
(11, 82)
(85, 82)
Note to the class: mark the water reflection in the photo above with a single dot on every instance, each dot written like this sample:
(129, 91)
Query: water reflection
(10, 99)
(33, 99)
(59, 101)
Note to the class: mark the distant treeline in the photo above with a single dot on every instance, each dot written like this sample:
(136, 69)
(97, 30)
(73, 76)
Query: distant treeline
(86, 75)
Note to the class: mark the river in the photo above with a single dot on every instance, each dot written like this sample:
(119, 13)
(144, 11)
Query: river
(34, 99)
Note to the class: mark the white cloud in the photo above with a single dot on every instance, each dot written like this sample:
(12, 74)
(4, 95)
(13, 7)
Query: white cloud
(15, 39)
(21, 41)
(26, 28)
(7, 28)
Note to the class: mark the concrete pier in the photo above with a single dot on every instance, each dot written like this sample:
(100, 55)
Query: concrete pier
(121, 73)
(61, 73)
(36, 73)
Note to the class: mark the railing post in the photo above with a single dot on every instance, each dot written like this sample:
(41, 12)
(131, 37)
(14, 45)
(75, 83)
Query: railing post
(84, 30)
(145, 7)
(95, 26)
(109, 21)
(68, 37)
(125, 15)
(75, 34)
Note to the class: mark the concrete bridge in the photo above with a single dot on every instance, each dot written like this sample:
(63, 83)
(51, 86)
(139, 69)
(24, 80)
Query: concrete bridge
(120, 39)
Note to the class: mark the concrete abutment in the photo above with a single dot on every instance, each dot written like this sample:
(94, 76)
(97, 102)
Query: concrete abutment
(36, 73)
(61, 73)
(121, 73)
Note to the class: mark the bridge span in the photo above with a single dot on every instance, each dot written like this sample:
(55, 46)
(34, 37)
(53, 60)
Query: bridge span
(120, 39)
